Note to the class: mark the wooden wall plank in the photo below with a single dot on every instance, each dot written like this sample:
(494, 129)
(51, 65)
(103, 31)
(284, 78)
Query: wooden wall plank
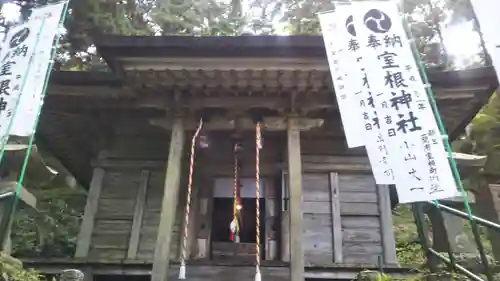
(285, 235)
(138, 215)
(87, 226)
(151, 219)
(271, 219)
(346, 209)
(362, 248)
(118, 209)
(110, 241)
(358, 197)
(388, 239)
(359, 209)
(120, 183)
(118, 227)
(107, 254)
(356, 183)
(318, 235)
(361, 235)
(360, 223)
(336, 218)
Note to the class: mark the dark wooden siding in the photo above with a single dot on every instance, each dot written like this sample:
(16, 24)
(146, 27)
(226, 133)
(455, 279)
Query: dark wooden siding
(114, 217)
(316, 204)
(123, 165)
(360, 218)
(113, 220)
(341, 207)
(329, 167)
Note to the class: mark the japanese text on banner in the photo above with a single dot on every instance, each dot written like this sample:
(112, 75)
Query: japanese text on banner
(349, 76)
(417, 153)
(338, 64)
(31, 99)
(15, 60)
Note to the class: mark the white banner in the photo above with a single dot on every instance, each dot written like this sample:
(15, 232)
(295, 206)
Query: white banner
(31, 99)
(487, 14)
(15, 60)
(417, 154)
(356, 103)
(338, 62)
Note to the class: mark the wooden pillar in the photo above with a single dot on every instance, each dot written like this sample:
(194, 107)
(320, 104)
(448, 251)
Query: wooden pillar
(388, 239)
(140, 203)
(295, 186)
(285, 218)
(87, 227)
(337, 237)
(204, 221)
(169, 203)
(271, 242)
(488, 199)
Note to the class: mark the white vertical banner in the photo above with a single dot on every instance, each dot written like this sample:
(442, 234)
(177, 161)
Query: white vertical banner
(356, 103)
(487, 14)
(15, 60)
(339, 61)
(31, 98)
(417, 154)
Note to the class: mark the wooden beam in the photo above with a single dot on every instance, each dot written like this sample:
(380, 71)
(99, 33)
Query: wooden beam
(161, 257)
(295, 186)
(87, 226)
(469, 160)
(219, 124)
(140, 203)
(241, 102)
(336, 218)
(386, 224)
(25, 196)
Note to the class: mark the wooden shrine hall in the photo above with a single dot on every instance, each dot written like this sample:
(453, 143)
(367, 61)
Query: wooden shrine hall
(126, 135)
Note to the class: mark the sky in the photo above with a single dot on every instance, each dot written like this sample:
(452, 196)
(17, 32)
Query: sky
(460, 40)
(10, 11)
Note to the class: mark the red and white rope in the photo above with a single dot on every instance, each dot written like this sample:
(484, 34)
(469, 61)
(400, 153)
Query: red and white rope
(188, 200)
(258, 146)
(235, 196)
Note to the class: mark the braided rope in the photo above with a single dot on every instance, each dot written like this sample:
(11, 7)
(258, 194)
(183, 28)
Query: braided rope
(189, 191)
(235, 190)
(258, 146)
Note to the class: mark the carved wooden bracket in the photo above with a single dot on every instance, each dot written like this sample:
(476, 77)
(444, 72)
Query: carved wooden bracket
(220, 124)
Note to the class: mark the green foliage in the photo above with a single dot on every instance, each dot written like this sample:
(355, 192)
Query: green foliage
(484, 137)
(53, 231)
(408, 250)
(13, 272)
(88, 18)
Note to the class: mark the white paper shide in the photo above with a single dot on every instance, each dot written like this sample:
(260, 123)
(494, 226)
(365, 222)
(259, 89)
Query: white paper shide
(416, 150)
(356, 102)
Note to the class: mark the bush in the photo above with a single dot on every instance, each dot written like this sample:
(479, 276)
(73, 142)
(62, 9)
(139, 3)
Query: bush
(11, 270)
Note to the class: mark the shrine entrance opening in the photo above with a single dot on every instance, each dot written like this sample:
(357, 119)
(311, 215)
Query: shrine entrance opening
(222, 246)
